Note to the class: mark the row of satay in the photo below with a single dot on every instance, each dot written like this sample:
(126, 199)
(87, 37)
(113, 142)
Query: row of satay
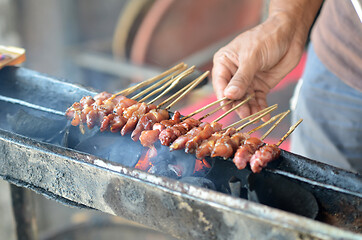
(149, 124)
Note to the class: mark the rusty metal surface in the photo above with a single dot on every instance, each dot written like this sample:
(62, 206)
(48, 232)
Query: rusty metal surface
(182, 210)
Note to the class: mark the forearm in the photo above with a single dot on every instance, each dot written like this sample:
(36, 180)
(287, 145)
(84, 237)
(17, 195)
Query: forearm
(300, 13)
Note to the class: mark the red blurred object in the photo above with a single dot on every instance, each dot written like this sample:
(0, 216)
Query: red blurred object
(162, 36)
(200, 165)
(144, 162)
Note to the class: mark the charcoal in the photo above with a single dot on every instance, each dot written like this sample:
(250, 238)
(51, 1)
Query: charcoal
(179, 158)
(163, 169)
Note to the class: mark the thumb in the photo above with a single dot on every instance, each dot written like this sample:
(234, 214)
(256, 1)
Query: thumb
(240, 82)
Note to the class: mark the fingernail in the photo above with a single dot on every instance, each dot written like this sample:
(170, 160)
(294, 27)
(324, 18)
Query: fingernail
(232, 90)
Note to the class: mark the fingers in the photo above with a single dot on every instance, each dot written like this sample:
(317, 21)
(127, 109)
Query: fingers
(241, 80)
(219, 79)
(225, 65)
(220, 74)
(222, 71)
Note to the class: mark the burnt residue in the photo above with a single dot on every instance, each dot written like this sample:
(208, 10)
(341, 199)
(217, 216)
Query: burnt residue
(279, 192)
(266, 188)
(134, 202)
(340, 210)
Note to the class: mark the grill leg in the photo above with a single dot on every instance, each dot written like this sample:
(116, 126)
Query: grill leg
(24, 213)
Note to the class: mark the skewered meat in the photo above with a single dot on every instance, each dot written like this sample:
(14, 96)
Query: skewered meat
(207, 146)
(263, 156)
(181, 141)
(92, 110)
(227, 145)
(168, 135)
(149, 124)
(206, 132)
(104, 106)
(114, 122)
(147, 121)
(176, 118)
(133, 115)
(102, 96)
(246, 151)
(122, 105)
(149, 137)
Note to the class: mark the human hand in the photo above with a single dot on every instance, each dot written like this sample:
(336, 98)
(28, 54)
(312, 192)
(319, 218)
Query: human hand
(258, 59)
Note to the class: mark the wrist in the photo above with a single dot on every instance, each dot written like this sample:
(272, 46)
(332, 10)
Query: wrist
(300, 14)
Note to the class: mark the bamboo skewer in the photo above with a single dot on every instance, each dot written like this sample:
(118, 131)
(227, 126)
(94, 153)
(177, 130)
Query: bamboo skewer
(185, 88)
(256, 119)
(177, 93)
(215, 110)
(130, 90)
(275, 125)
(251, 116)
(174, 83)
(197, 82)
(266, 123)
(204, 108)
(160, 83)
(291, 129)
(232, 109)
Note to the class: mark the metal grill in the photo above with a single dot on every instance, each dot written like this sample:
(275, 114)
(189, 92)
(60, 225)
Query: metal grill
(181, 209)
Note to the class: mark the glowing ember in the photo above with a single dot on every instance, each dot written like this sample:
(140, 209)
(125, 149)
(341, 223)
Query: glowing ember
(201, 165)
(175, 164)
(144, 162)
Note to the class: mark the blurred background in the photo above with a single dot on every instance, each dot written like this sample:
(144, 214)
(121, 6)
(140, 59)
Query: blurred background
(108, 45)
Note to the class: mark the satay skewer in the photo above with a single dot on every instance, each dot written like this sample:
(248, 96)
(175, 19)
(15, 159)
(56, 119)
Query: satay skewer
(274, 125)
(130, 90)
(223, 105)
(169, 85)
(266, 153)
(163, 81)
(265, 124)
(204, 108)
(256, 119)
(235, 107)
(251, 116)
(215, 110)
(186, 72)
(291, 129)
(185, 90)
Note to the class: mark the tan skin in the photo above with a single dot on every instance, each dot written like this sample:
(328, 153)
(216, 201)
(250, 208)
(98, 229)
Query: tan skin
(258, 59)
